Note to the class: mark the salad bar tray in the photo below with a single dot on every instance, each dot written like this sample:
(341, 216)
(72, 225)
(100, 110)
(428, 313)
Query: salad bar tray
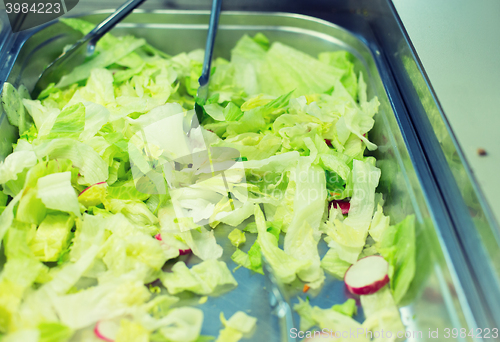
(442, 294)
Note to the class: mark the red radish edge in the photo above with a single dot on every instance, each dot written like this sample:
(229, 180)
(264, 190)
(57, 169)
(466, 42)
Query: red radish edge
(91, 186)
(181, 251)
(367, 275)
(328, 142)
(344, 206)
(101, 336)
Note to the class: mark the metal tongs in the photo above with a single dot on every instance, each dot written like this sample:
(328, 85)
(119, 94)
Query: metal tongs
(83, 48)
(277, 299)
(202, 93)
(279, 303)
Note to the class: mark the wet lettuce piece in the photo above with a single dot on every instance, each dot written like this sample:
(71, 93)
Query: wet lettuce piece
(398, 247)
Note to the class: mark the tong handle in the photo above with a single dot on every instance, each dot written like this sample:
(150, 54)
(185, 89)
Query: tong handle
(209, 48)
(107, 24)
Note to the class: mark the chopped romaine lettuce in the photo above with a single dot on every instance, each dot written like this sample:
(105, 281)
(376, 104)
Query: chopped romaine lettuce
(110, 179)
(237, 237)
(330, 319)
(348, 308)
(51, 237)
(238, 326)
(398, 247)
(210, 277)
(382, 313)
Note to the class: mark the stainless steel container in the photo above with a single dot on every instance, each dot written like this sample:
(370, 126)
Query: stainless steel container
(447, 291)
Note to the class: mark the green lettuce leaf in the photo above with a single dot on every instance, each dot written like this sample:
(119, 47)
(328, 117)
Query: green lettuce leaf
(285, 266)
(70, 123)
(211, 277)
(333, 320)
(31, 209)
(348, 237)
(54, 332)
(379, 224)
(7, 216)
(348, 308)
(238, 326)
(108, 300)
(304, 309)
(18, 274)
(56, 193)
(119, 49)
(252, 260)
(201, 241)
(52, 237)
(15, 163)
(381, 312)
(343, 60)
(241, 259)
(83, 26)
(3, 199)
(333, 265)
(255, 257)
(135, 211)
(27, 335)
(126, 190)
(298, 71)
(90, 231)
(96, 116)
(134, 250)
(182, 324)
(131, 332)
(237, 237)
(398, 247)
(253, 146)
(13, 106)
(92, 167)
(232, 112)
(302, 237)
(327, 319)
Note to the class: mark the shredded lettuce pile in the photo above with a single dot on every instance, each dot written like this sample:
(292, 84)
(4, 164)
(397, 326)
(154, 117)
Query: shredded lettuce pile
(83, 238)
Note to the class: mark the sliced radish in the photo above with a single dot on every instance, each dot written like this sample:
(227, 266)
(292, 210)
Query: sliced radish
(158, 237)
(367, 275)
(344, 206)
(328, 142)
(106, 330)
(184, 251)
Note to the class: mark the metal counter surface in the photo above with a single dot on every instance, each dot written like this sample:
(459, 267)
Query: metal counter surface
(458, 43)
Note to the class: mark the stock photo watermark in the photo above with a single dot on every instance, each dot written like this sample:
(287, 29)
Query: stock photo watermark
(26, 14)
(355, 333)
(445, 333)
(206, 182)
